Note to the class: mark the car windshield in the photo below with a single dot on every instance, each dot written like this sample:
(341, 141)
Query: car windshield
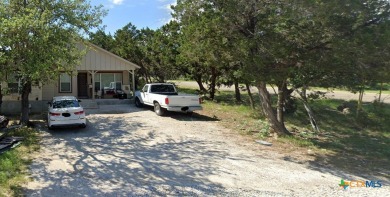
(162, 88)
(65, 103)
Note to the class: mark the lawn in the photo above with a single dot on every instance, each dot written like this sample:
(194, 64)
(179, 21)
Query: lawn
(355, 144)
(14, 163)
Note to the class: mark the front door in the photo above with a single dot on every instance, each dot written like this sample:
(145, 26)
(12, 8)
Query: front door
(82, 85)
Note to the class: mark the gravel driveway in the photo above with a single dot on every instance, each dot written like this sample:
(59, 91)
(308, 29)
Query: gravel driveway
(126, 151)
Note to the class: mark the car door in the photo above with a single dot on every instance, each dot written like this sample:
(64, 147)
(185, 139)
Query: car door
(145, 94)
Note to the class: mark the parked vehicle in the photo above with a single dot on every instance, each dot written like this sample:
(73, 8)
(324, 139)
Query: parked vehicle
(65, 111)
(163, 97)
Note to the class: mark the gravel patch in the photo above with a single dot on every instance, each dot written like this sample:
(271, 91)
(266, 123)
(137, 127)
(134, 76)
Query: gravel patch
(126, 151)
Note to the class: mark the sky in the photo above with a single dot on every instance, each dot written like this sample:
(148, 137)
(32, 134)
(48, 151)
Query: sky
(141, 13)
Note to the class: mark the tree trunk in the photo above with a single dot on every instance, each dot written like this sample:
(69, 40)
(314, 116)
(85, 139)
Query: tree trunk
(146, 78)
(380, 92)
(268, 111)
(251, 101)
(161, 79)
(360, 102)
(213, 83)
(198, 79)
(281, 99)
(26, 89)
(237, 91)
(313, 121)
(310, 113)
(1, 96)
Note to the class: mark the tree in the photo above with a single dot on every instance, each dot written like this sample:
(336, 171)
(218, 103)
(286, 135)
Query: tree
(161, 48)
(203, 47)
(101, 39)
(277, 41)
(41, 37)
(4, 67)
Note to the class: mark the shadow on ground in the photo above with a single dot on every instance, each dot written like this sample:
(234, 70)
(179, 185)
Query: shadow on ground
(111, 157)
(182, 116)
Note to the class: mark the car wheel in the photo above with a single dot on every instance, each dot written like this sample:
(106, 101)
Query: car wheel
(157, 108)
(83, 126)
(138, 102)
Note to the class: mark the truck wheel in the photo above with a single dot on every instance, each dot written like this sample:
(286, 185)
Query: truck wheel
(138, 103)
(157, 108)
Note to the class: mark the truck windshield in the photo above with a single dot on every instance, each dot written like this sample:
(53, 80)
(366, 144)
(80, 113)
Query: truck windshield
(162, 88)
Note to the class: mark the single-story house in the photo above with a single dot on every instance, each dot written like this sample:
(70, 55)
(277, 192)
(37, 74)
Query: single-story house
(98, 75)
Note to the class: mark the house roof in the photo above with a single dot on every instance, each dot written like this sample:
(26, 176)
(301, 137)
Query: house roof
(100, 59)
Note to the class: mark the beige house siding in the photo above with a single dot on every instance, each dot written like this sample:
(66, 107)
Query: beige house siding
(102, 60)
(51, 89)
(126, 78)
(36, 94)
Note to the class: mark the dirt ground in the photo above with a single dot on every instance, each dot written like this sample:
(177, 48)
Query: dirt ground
(125, 151)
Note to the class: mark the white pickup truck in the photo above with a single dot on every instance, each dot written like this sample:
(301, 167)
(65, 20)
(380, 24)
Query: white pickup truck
(163, 96)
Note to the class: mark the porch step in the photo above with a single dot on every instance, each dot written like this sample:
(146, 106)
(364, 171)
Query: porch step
(89, 104)
(94, 104)
(113, 101)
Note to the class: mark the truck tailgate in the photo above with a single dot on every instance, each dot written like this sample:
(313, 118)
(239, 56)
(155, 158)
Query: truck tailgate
(184, 100)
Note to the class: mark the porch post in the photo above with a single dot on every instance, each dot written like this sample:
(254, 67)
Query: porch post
(133, 80)
(92, 72)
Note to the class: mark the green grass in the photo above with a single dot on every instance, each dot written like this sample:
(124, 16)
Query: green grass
(238, 115)
(13, 163)
(349, 132)
(344, 138)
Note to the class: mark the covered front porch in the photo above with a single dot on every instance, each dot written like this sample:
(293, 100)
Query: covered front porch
(104, 75)
(93, 84)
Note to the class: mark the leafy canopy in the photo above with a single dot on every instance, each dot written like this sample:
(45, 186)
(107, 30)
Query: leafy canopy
(39, 38)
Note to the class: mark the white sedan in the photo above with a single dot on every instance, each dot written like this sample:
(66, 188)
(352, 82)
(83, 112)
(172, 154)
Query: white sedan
(65, 111)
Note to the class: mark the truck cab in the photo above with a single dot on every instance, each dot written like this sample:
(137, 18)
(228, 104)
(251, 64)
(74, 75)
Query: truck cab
(164, 97)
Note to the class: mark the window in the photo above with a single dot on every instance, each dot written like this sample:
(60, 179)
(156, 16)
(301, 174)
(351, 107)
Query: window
(108, 81)
(13, 83)
(145, 89)
(65, 83)
(162, 88)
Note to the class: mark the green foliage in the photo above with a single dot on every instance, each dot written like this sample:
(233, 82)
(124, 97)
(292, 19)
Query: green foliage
(301, 42)
(40, 39)
(13, 163)
(101, 39)
(154, 51)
